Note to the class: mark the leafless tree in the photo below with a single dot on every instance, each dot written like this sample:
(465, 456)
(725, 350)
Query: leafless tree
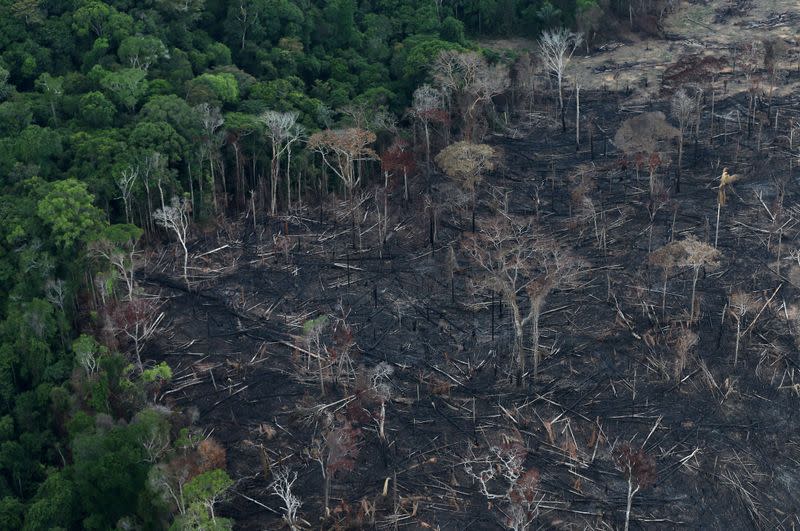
(639, 470)
(683, 108)
(667, 258)
(726, 181)
(281, 486)
(470, 82)
(211, 120)
(556, 48)
(362, 115)
(427, 105)
(341, 149)
(125, 182)
(501, 477)
(685, 341)
(524, 267)
(138, 320)
(55, 292)
(122, 256)
(283, 130)
(175, 218)
(740, 303)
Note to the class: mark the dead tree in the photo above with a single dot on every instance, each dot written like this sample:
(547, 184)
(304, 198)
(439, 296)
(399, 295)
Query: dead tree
(399, 159)
(739, 304)
(667, 258)
(341, 149)
(556, 48)
(470, 83)
(281, 486)
(697, 255)
(466, 163)
(282, 130)
(427, 107)
(125, 182)
(211, 120)
(502, 478)
(645, 134)
(118, 248)
(524, 267)
(340, 452)
(684, 109)
(726, 180)
(138, 320)
(639, 470)
(175, 218)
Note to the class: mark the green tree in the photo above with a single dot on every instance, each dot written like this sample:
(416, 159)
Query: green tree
(55, 504)
(67, 208)
(96, 110)
(126, 87)
(141, 51)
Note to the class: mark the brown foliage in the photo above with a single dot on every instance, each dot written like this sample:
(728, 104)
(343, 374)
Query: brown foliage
(691, 69)
(636, 465)
(342, 446)
(211, 454)
(646, 133)
(527, 486)
(466, 162)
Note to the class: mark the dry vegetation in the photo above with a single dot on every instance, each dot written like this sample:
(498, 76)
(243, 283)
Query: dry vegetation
(364, 361)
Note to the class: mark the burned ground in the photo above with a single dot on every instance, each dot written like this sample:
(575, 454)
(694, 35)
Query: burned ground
(614, 370)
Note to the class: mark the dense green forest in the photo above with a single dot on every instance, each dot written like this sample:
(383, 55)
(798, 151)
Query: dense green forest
(107, 111)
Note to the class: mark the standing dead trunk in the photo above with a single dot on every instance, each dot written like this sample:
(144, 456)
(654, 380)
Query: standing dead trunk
(694, 291)
(536, 313)
(577, 116)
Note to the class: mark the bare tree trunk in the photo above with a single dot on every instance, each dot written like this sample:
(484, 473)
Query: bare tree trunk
(537, 309)
(694, 288)
(327, 493)
(631, 492)
(577, 116)
(427, 149)
(288, 180)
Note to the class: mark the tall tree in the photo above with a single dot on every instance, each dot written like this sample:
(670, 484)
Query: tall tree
(282, 130)
(556, 48)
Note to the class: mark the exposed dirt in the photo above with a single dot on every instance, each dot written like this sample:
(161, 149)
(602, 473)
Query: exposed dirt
(723, 437)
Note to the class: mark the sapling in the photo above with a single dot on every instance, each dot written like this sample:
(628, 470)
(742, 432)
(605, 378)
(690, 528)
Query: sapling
(639, 470)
